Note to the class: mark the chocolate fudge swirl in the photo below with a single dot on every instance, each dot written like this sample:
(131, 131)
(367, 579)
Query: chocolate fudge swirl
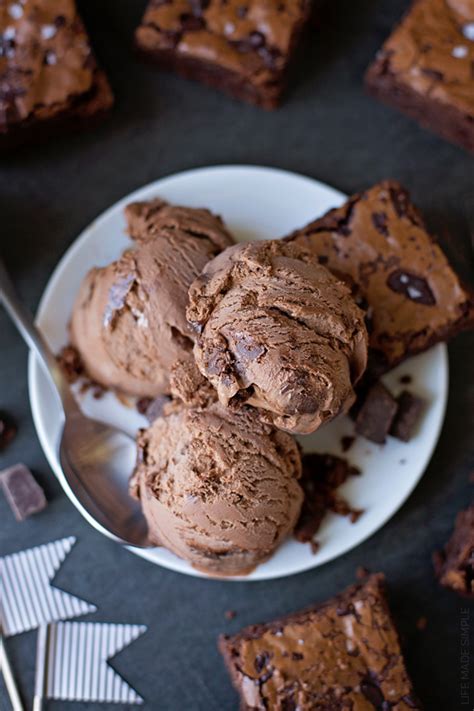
(279, 332)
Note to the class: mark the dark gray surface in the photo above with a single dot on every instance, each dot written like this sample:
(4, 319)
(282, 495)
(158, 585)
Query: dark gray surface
(329, 130)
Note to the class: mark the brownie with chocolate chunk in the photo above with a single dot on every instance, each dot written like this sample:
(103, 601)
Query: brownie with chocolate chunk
(379, 242)
(454, 565)
(242, 47)
(425, 68)
(343, 654)
(49, 77)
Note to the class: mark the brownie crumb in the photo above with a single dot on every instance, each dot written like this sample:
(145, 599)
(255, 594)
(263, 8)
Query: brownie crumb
(407, 416)
(315, 547)
(73, 368)
(405, 379)
(143, 404)
(230, 614)
(22, 491)
(362, 572)
(322, 475)
(454, 565)
(346, 442)
(71, 364)
(98, 391)
(8, 430)
(376, 414)
(421, 623)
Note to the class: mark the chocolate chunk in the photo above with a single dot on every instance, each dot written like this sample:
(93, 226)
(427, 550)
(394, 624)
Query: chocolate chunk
(380, 222)
(408, 413)
(297, 656)
(412, 286)
(346, 442)
(118, 293)
(432, 73)
(22, 492)
(191, 23)
(261, 661)
(155, 408)
(373, 693)
(247, 348)
(376, 414)
(143, 404)
(8, 430)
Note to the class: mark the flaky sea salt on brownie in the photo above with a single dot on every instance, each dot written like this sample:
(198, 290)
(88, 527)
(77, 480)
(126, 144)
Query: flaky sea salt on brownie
(343, 654)
(242, 47)
(454, 565)
(425, 68)
(378, 241)
(48, 73)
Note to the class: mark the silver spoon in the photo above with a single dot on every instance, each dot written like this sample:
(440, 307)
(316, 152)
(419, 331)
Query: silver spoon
(95, 460)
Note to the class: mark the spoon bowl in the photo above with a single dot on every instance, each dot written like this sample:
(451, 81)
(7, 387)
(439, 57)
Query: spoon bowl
(96, 459)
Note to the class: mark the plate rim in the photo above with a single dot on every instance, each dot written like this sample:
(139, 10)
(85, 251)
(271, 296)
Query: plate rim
(33, 365)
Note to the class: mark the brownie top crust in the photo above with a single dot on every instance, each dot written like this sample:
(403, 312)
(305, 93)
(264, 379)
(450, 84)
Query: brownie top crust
(378, 240)
(432, 51)
(344, 654)
(250, 37)
(45, 59)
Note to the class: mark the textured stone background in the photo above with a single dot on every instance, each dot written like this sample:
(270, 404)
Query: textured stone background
(329, 130)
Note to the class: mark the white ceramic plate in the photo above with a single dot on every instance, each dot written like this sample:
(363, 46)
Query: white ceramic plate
(256, 203)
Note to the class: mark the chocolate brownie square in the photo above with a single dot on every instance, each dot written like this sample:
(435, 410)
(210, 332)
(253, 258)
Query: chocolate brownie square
(425, 68)
(48, 74)
(378, 241)
(242, 47)
(343, 654)
(454, 565)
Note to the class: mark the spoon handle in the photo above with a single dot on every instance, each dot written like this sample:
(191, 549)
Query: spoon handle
(31, 335)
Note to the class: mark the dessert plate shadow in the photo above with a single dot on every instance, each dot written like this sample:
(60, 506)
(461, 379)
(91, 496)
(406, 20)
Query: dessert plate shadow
(256, 203)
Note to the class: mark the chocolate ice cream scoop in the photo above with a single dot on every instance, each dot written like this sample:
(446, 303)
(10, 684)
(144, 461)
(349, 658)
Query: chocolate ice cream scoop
(218, 487)
(278, 331)
(129, 322)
